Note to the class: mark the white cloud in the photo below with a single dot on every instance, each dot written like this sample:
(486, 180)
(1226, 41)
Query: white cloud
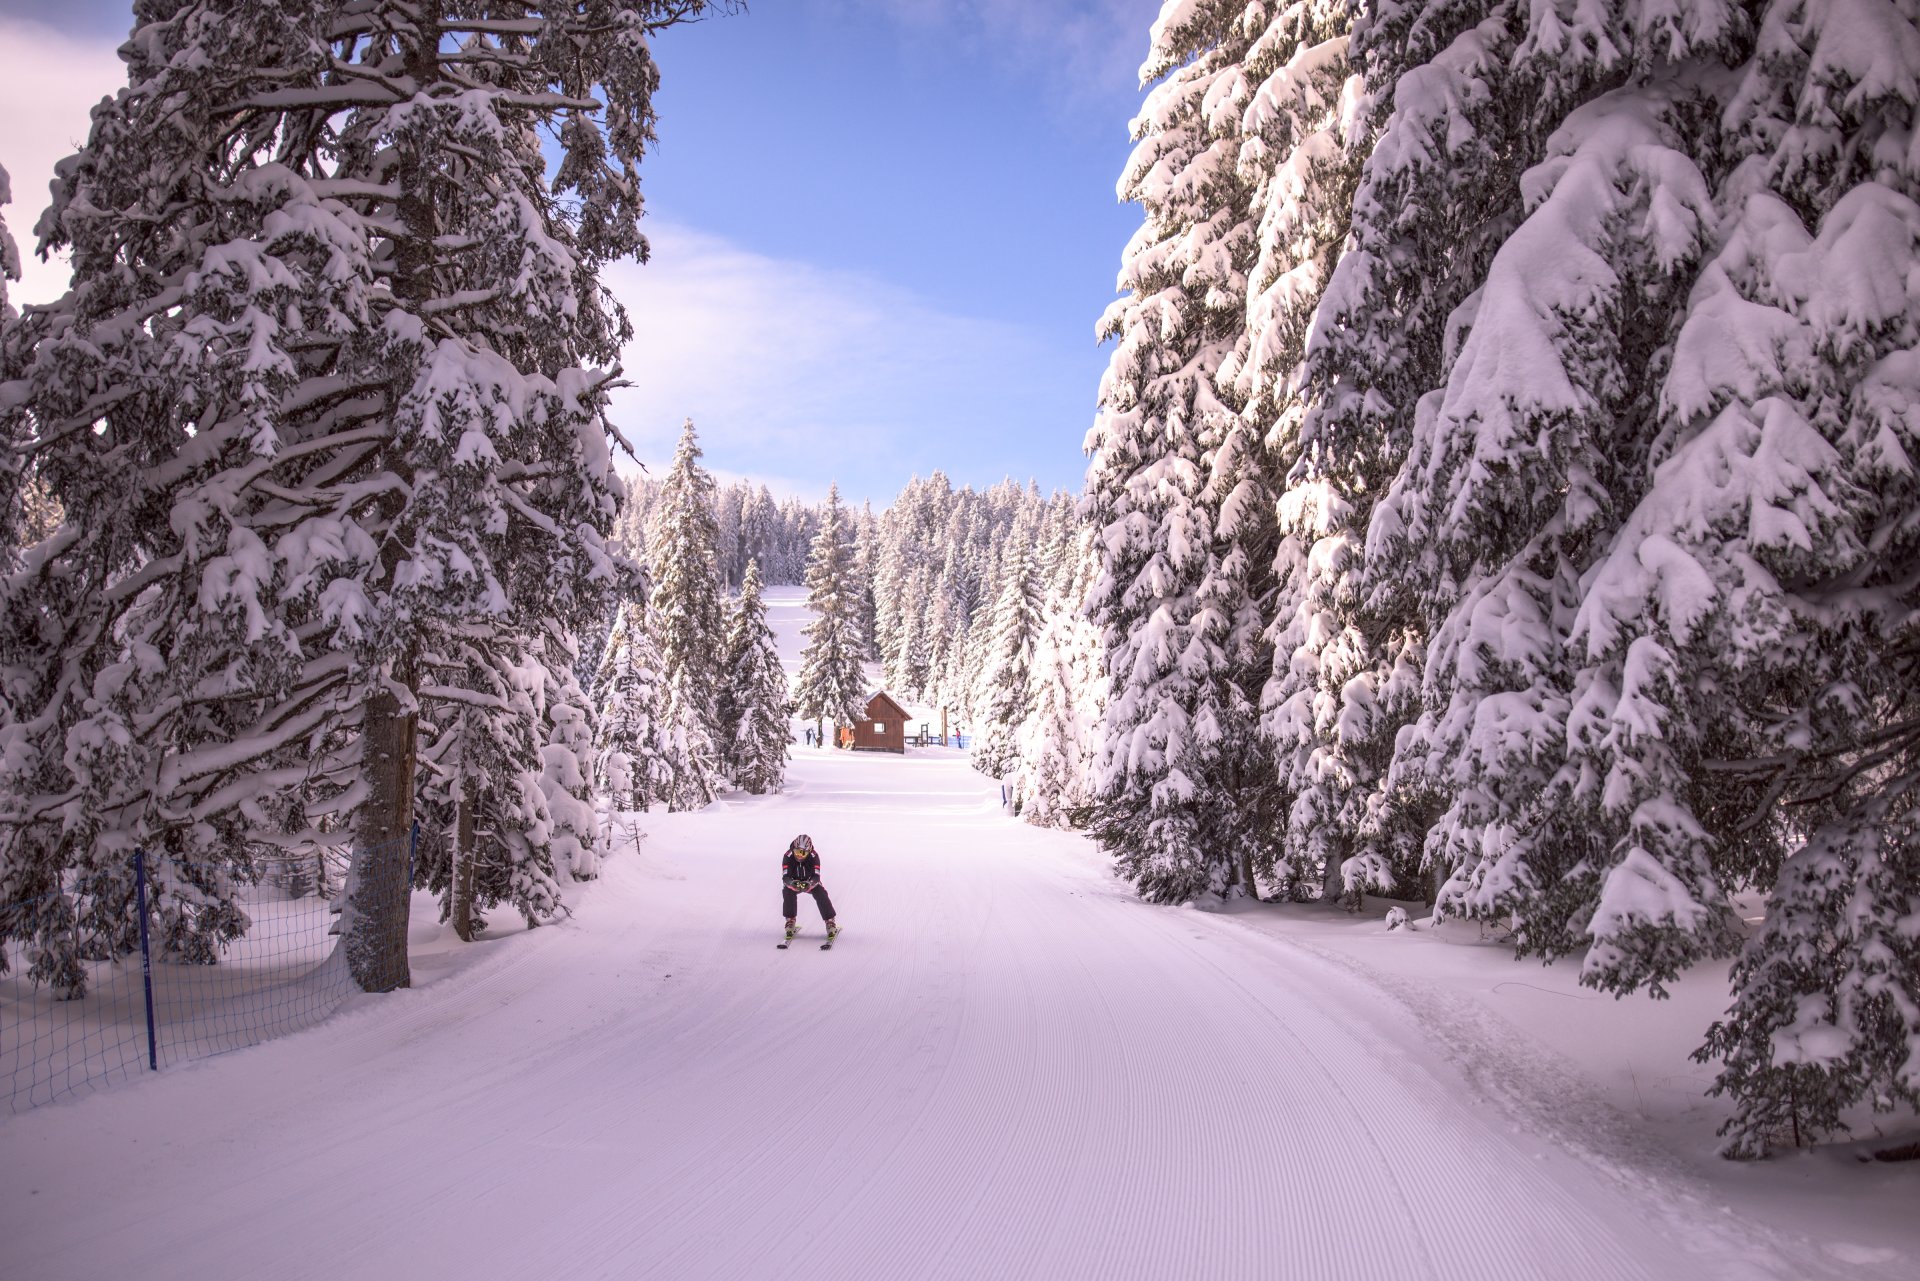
(48, 85)
(793, 370)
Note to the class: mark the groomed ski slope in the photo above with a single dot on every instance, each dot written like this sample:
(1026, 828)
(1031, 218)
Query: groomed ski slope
(1006, 1069)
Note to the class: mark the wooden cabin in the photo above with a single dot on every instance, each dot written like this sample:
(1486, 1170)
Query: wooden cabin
(884, 728)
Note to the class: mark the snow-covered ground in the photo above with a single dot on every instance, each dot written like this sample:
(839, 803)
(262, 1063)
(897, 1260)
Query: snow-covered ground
(1009, 1067)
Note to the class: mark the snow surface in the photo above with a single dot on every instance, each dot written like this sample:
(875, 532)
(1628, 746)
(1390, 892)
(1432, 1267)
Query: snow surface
(1009, 1067)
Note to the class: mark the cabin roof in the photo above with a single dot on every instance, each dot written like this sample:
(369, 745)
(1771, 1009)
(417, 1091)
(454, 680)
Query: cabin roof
(881, 707)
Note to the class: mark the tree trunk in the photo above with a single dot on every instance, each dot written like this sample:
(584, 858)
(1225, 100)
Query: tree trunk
(463, 868)
(1246, 875)
(376, 929)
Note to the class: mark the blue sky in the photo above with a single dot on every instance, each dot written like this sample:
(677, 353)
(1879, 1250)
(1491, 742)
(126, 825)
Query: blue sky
(882, 230)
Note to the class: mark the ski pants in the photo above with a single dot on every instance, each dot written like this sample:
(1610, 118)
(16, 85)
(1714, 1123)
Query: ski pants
(790, 902)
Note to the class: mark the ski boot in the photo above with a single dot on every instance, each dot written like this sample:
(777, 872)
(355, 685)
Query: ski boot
(793, 930)
(833, 932)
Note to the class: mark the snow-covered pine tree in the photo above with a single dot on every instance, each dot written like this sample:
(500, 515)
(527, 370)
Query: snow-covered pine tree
(938, 631)
(1448, 122)
(797, 528)
(321, 389)
(909, 669)
(758, 533)
(593, 647)
(689, 624)
(1773, 561)
(960, 586)
(755, 700)
(631, 744)
(485, 825)
(1654, 486)
(1005, 695)
(1175, 490)
(691, 763)
(1300, 155)
(1056, 744)
(891, 574)
(861, 583)
(729, 503)
(832, 686)
(1566, 792)
(567, 762)
(956, 683)
(688, 619)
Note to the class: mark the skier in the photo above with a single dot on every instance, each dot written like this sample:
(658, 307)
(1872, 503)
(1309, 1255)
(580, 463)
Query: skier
(800, 873)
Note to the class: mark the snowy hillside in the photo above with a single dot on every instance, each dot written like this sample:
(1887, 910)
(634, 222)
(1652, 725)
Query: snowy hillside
(787, 615)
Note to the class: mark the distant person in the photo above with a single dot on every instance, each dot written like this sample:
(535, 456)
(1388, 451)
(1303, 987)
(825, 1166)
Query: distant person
(809, 736)
(800, 874)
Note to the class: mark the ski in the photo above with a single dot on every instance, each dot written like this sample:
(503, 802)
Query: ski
(831, 936)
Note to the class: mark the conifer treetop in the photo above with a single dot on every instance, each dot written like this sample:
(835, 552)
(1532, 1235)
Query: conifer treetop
(832, 682)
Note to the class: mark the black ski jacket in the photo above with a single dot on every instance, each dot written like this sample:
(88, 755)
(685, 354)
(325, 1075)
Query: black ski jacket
(800, 871)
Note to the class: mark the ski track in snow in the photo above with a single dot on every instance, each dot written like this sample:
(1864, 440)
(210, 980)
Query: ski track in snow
(1006, 1069)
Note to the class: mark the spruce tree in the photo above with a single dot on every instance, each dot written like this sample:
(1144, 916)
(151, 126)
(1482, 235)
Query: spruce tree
(486, 830)
(1571, 790)
(1005, 698)
(1300, 155)
(1627, 432)
(758, 532)
(567, 762)
(1176, 488)
(1056, 743)
(956, 684)
(631, 745)
(593, 646)
(863, 582)
(891, 590)
(728, 505)
(756, 703)
(1773, 555)
(693, 775)
(331, 345)
(689, 625)
(910, 667)
(832, 686)
(688, 619)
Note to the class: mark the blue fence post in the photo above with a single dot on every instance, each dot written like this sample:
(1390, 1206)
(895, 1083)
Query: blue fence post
(146, 955)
